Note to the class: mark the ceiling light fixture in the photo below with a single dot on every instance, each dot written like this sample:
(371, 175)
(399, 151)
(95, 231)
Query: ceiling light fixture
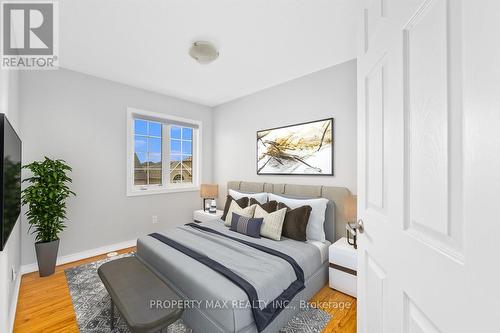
(203, 52)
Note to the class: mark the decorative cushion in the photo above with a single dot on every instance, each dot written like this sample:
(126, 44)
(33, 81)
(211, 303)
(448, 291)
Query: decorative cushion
(316, 226)
(273, 222)
(242, 202)
(270, 206)
(235, 208)
(295, 223)
(246, 225)
(260, 197)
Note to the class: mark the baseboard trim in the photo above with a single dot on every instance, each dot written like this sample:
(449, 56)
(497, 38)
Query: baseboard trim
(13, 305)
(29, 268)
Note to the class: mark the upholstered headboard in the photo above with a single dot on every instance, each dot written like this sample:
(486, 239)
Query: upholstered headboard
(335, 221)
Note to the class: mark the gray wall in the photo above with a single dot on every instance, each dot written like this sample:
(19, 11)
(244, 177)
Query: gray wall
(10, 257)
(82, 119)
(327, 93)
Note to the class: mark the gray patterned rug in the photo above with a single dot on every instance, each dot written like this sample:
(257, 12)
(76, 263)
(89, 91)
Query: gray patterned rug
(92, 306)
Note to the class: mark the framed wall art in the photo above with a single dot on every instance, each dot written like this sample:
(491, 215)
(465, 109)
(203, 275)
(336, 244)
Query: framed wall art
(300, 149)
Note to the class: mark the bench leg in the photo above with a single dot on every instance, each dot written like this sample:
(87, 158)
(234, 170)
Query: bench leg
(112, 318)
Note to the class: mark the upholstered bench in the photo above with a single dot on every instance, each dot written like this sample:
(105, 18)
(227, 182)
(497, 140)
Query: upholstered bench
(145, 302)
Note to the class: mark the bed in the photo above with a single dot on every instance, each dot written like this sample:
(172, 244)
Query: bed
(213, 296)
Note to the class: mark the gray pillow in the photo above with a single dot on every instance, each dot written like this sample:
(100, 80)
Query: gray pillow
(246, 225)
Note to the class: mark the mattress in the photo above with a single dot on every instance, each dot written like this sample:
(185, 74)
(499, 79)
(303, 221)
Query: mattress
(198, 283)
(322, 247)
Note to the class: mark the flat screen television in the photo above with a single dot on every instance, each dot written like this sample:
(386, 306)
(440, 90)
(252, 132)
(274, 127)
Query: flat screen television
(10, 179)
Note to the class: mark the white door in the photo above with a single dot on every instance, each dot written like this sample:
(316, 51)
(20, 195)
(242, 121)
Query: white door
(429, 166)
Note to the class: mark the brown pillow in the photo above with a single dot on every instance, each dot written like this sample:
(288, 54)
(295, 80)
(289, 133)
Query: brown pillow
(270, 206)
(295, 223)
(242, 202)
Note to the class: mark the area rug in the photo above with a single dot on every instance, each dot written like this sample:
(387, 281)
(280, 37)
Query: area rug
(92, 306)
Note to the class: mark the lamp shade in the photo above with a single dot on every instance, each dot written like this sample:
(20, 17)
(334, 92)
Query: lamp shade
(350, 207)
(209, 190)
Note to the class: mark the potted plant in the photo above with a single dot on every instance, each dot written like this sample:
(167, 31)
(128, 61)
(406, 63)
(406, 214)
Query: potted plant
(46, 199)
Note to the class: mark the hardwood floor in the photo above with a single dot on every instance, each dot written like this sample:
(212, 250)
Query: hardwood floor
(342, 307)
(45, 305)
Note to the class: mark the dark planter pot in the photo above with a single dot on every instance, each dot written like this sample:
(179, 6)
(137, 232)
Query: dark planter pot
(46, 255)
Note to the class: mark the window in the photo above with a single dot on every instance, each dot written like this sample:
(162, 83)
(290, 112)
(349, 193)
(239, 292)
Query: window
(181, 154)
(163, 153)
(147, 152)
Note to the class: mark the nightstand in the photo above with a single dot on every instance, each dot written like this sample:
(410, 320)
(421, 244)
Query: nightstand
(202, 216)
(343, 267)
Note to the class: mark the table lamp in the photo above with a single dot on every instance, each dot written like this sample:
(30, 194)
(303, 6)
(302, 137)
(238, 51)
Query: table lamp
(350, 214)
(209, 191)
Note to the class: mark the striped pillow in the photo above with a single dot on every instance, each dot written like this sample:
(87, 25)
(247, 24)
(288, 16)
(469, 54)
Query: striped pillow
(235, 208)
(246, 225)
(272, 224)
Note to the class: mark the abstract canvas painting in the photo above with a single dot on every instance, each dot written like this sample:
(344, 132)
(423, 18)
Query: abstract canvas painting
(301, 149)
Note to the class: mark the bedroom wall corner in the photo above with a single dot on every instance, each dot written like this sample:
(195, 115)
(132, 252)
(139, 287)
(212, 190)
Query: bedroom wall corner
(330, 92)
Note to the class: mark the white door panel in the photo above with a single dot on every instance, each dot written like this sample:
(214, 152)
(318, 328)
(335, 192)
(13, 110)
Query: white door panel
(428, 145)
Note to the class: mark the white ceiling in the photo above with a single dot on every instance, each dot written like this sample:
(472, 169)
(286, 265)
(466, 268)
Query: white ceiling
(261, 42)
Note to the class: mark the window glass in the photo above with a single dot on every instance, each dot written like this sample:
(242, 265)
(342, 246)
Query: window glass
(141, 127)
(154, 161)
(175, 146)
(140, 160)
(140, 177)
(141, 144)
(187, 147)
(154, 177)
(187, 133)
(147, 152)
(154, 129)
(154, 145)
(175, 132)
(181, 154)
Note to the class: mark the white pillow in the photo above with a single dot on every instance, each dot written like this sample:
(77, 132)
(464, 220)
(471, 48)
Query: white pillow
(272, 224)
(316, 226)
(260, 197)
(235, 208)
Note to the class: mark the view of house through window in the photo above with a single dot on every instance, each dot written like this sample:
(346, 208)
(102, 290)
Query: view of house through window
(158, 144)
(147, 152)
(181, 154)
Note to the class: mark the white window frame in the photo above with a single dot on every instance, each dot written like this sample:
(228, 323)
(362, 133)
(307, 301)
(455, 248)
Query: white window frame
(167, 121)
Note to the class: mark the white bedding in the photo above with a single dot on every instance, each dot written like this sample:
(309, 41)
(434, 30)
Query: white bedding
(315, 229)
(323, 248)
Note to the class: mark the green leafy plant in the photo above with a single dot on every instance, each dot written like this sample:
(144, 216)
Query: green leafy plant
(46, 198)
